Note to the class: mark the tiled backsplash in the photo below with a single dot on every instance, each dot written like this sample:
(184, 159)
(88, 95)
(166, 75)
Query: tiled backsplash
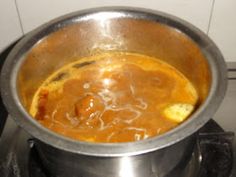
(215, 17)
(223, 27)
(34, 13)
(10, 29)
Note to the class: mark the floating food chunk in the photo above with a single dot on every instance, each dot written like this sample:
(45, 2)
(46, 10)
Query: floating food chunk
(178, 112)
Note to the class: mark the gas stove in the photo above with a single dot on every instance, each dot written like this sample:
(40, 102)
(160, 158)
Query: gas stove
(214, 154)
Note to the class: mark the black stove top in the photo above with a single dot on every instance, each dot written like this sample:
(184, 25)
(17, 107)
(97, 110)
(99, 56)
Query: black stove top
(212, 157)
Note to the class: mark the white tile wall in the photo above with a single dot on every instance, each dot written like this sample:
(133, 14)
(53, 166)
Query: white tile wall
(34, 13)
(10, 28)
(223, 27)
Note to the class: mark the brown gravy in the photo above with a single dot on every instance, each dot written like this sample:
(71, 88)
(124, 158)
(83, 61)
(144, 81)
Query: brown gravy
(114, 97)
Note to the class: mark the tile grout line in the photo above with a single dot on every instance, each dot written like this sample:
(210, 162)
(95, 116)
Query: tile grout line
(18, 12)
(211, 14)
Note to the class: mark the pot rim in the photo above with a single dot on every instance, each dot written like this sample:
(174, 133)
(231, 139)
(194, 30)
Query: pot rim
(198, 119)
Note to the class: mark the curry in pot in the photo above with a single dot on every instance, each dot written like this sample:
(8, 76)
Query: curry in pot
(114, 97)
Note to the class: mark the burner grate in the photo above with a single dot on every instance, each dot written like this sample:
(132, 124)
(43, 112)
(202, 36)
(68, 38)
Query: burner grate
(216, 152)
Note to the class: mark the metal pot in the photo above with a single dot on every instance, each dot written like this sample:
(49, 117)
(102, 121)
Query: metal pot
(84, 33)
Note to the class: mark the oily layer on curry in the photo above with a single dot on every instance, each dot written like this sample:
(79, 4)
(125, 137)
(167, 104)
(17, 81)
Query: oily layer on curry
(114, 97)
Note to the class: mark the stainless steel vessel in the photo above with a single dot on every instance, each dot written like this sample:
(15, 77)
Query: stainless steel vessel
(84, 33)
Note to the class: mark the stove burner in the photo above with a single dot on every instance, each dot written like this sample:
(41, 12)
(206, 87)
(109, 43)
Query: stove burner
(213, 155)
